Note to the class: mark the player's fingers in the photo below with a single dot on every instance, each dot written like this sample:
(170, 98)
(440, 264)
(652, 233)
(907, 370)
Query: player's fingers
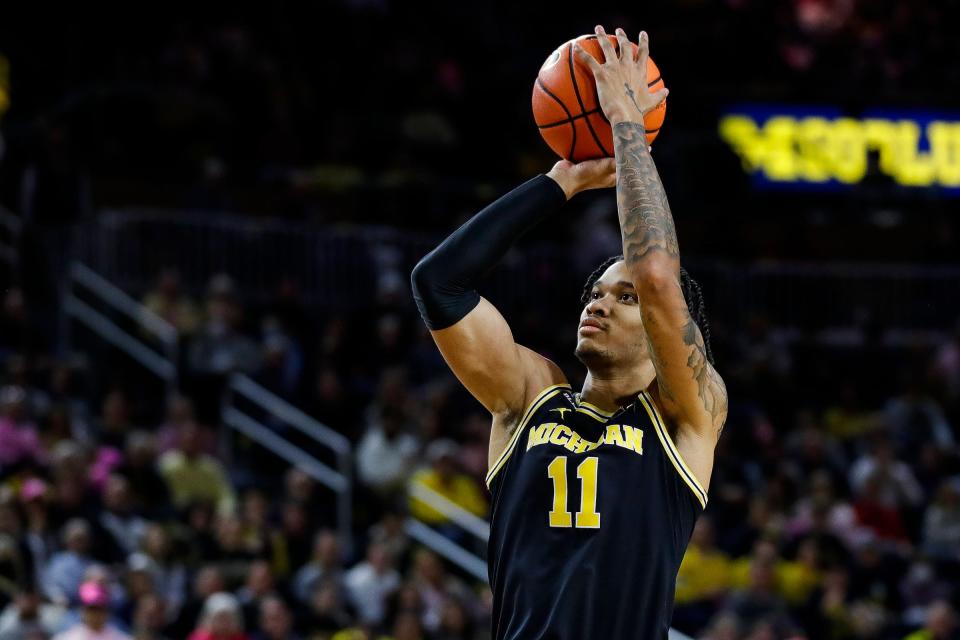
(660, 96)
(608, 169)
(626, 51)
(643, 50)
(586, 58)
(609, 53)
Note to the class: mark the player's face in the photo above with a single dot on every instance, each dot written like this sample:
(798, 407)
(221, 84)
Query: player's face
(611, 328)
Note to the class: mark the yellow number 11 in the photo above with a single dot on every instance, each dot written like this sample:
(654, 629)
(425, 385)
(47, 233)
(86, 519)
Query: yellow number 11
(587, 517)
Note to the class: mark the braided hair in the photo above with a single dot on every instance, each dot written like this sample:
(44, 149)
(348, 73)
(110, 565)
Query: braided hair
(691, 293)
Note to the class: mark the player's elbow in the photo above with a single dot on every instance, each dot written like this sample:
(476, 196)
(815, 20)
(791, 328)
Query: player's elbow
(421, 276)
(655, 278)
(427, 276)
(441, 300)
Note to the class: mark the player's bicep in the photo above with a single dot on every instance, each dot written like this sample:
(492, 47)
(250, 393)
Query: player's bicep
(690, 389)
(481, 351)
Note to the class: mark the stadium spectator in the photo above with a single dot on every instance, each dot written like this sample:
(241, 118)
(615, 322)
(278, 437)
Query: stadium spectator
(725, 626)
(221, 619)
(757, 600)
(19, 439)
(455, 622)
(282, 361)
(325, 566)
(387, 452)
(826, 614)
(941, 523)
(327, 612)
(231, 553)
(180, 414)
(889, 481)
(169, 574)
(207, 581)
(118, 517)
(169, 302)
(434, 586)
(914, 417)
(444, 478)
(114, 424)
(149, 492)
(94, 616)
(370, 584)
(275, 621)
(704, 578)
(258, 534)
(219, 348)
(29, 614)
(194, 476)
(259, 584)
(293, 539)
(39, 536)
(66, 570)
(150, 618)
(919, 589)
(941, 623)
(390, 532)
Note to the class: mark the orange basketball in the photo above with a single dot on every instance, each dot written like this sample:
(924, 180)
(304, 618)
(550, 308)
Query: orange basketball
(566, 108)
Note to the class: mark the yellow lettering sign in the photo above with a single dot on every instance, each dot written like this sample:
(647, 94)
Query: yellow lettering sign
(815, 149)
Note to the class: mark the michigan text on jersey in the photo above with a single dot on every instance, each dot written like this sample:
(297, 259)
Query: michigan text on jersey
(620, 435)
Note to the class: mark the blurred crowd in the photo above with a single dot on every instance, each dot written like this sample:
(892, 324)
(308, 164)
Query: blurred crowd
(834, 510)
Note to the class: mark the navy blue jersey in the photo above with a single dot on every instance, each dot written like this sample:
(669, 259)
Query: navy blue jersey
(592, 513)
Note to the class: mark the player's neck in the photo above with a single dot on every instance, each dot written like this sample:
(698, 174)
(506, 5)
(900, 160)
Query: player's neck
(610, 390)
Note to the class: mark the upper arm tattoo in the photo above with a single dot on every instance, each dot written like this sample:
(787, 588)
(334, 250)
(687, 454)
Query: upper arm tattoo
(710, 388)
(645, 217)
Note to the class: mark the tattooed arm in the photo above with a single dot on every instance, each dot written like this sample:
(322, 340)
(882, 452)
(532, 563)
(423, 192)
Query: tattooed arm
(690, 391)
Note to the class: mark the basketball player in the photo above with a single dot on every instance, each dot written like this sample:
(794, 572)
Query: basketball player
(595, 493)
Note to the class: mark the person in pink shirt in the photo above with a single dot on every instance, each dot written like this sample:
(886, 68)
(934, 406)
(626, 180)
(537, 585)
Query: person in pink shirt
(94, 616)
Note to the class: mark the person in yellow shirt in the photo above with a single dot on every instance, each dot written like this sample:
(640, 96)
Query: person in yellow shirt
(444, 478)
(794, 580)
(703, 579)
(194, 476)
(705, 570)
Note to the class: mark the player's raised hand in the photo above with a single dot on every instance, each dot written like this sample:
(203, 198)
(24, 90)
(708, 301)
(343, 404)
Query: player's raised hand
(622, 79)
(582, 176)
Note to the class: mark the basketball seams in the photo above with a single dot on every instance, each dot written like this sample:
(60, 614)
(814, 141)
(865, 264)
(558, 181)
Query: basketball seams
(573, 141)
(557, 123)
(583, 108)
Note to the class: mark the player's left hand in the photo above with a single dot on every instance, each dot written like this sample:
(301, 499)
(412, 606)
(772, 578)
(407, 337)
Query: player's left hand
(622, 80)
(582, 176)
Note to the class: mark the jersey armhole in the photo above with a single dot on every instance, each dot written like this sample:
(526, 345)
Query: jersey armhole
(673, 454)
(532, 408)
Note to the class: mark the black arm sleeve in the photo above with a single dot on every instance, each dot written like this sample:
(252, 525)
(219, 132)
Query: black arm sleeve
(444, 281)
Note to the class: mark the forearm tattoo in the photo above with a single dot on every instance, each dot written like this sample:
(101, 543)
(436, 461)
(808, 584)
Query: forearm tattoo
(648, 228)
(645, 217)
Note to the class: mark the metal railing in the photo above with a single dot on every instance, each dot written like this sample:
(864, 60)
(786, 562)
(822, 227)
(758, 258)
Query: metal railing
(337, 480)
(476, 527)
(86, 290)
(341, 266)
(83, 282)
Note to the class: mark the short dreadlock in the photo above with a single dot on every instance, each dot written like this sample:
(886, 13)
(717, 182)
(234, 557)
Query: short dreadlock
(691, 293)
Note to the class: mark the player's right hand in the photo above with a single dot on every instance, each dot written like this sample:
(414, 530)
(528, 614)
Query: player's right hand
(589, 174)
(622, 80)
